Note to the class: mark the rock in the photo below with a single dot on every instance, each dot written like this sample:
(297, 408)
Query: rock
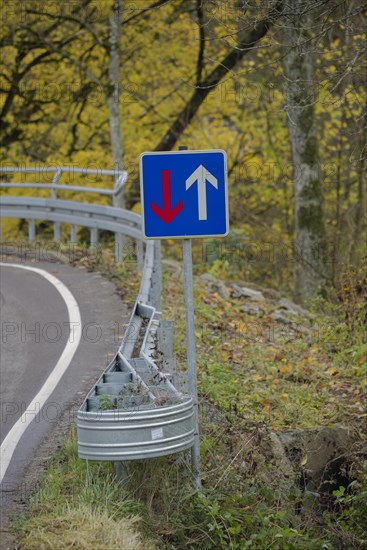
(172, 266)
(222, 291)
(266, 460)
(214, 285)
(206, 278)
(281, 317)
(316, 451)
(286, 304)
(285, 472)
(269, 293)
(252, 310)
(245, 292)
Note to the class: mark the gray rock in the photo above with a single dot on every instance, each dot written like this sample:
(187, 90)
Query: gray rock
(214, 285)
(281, 317)
(286, 304)
(269, 293)
(252, 310)
(172, 266)
(244, 292)
(317, 449)
(206, 278)
(222, 290)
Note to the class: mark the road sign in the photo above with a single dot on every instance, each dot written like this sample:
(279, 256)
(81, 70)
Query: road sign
(184, 194)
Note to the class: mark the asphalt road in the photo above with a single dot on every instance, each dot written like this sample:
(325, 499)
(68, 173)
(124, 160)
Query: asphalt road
(35, 330)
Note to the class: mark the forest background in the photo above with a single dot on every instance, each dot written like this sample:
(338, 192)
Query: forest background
(280, 86)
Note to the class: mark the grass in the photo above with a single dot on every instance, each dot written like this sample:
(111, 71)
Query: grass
(256, 376)
(247, 502)
(83, 527)
(299, 375)
(80, 505)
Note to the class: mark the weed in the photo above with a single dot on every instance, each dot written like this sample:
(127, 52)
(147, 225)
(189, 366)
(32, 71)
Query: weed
(106, 403)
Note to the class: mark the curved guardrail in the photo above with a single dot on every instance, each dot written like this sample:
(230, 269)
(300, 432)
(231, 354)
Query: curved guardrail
(95, 217)
(135, 410)
(119, 176)
(146, 415)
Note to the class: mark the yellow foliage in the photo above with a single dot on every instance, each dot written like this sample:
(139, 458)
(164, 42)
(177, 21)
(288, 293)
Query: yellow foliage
(244, 115)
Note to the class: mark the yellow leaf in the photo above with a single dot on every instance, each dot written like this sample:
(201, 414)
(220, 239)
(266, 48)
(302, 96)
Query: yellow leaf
(332, 371)
(286, 368)
(303, 460)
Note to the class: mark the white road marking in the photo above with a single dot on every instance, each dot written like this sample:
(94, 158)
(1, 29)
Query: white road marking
(11, 440)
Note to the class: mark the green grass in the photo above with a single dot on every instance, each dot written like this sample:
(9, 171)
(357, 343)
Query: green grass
(80, 505)
(245, 502)
(255, 377)
(302, 375)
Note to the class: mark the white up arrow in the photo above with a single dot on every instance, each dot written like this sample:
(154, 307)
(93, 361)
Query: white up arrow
(201, 175)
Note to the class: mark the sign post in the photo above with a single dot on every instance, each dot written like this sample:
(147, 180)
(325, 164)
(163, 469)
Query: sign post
(191, 347)
(184, 195)
(191, 356)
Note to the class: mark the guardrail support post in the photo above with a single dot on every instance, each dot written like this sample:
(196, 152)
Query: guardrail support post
(122, 471)
(118, 247)
(31, 230)
(140, 255)
(93, 237)
(73, 239)
(57, 232)
(55, 180)
(156, 289)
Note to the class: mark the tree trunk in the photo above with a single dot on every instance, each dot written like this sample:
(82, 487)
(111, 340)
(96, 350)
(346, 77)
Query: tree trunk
(299, 64)
(113, 95)
(360, 213)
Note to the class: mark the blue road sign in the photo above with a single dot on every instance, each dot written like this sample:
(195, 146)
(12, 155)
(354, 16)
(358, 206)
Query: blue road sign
(184, 194)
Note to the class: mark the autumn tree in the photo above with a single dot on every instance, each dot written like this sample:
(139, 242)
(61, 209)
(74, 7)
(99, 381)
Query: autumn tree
(299, 64)
(175, 71)
(42, 37)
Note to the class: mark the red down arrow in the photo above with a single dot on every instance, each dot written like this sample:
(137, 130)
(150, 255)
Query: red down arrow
(166, 215)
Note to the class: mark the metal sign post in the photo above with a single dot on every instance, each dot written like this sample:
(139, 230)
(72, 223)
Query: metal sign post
(191, 351)
(184, 195)
(191, 355)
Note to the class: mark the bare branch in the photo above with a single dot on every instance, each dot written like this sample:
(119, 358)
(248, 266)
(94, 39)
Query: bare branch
(246, 41)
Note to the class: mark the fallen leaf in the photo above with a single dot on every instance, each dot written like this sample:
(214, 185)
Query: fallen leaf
(332, 371)
(286, 368)
(304, 459)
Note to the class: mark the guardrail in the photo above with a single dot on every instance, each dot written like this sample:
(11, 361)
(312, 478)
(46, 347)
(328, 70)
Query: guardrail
(120, 179)
(95, 217)
(135, 410)
(146, 416)
(75, 213)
